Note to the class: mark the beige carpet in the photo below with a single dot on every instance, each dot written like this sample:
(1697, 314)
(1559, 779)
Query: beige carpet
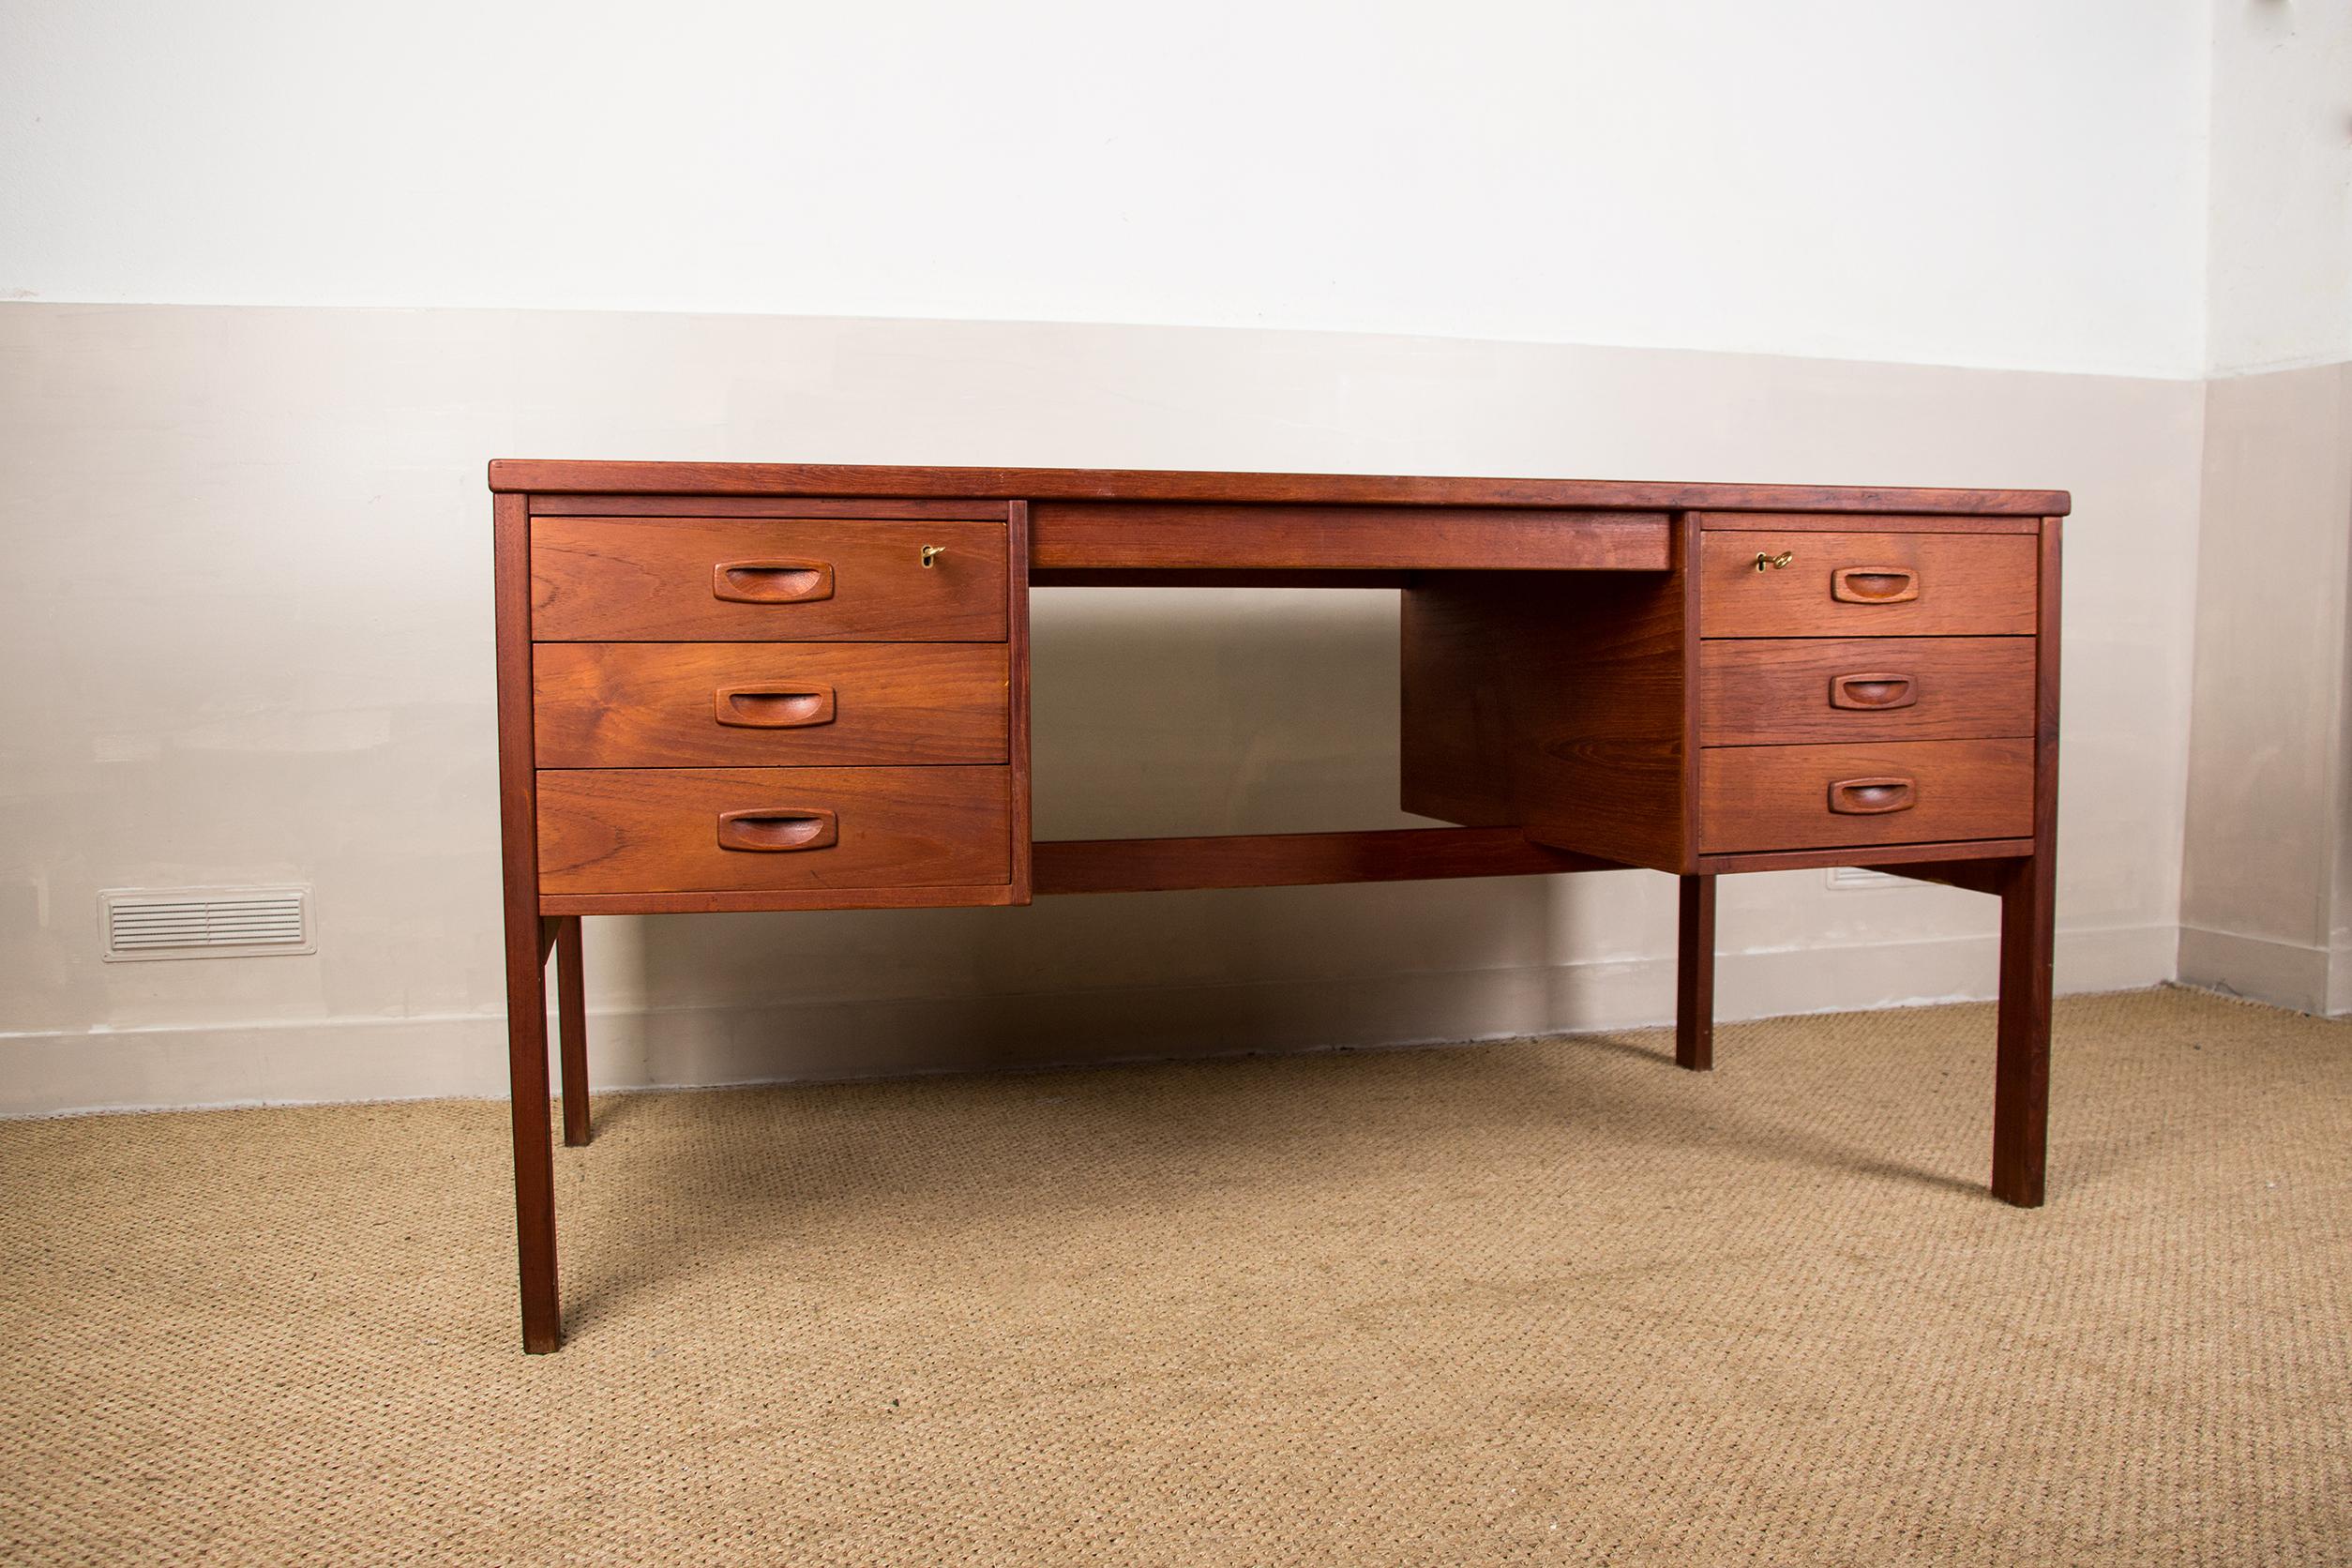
(1550, 1302)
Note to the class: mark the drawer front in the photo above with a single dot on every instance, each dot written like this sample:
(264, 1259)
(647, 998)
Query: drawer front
(766, 579)
(1866, 584)
(674, 830)
(1763, 690)
(1806, 797)
(768, 704)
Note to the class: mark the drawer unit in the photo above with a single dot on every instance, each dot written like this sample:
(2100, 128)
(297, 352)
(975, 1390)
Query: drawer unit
(786, 830)
(775, 705)
(1755, 798)
(754, 704)
(766, 579)
(1815, 584)
(1762, 690)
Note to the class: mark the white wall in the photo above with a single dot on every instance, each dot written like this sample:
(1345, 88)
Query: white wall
(2006, 183)
(2280, 180)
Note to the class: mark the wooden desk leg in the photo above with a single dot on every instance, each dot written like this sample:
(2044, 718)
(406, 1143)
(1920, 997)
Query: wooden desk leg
(1695, 978)
(571, 1011)
(2021, 1086)
(534, 1154)
(528, 936)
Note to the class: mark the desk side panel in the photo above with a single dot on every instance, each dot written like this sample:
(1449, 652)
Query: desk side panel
(1554, 702)
(1016, 696)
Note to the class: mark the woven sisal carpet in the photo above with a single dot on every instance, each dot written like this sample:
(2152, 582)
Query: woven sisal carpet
(1539, 1303)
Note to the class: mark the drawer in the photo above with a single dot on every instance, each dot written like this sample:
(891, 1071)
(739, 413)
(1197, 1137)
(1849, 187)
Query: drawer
(1754, 690)
(1804, 797)
(1867, 584)
(766, 579)
(768, 704)
(671, 830)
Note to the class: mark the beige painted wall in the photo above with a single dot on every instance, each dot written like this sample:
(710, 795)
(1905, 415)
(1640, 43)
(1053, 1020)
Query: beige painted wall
(246, 623)
(2267, 867)
(2267, 890)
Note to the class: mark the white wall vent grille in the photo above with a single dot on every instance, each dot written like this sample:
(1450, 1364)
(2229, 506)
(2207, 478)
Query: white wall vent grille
(205, 922)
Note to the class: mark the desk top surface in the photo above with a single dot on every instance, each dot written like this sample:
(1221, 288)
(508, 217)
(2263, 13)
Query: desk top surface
(1152, 485)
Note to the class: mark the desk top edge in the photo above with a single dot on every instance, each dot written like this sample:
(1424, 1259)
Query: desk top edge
(610, 478)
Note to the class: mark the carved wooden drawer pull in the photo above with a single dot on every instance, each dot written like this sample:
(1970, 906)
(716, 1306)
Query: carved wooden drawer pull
(774, 707)
(1872, 797)
(1873, 693)
(780, 827)
(772, 581)
(1874, 584)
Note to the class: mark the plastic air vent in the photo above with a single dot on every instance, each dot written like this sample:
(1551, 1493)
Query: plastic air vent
(205, 922)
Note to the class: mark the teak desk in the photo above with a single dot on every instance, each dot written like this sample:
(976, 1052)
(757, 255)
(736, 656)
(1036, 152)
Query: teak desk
(789, 686)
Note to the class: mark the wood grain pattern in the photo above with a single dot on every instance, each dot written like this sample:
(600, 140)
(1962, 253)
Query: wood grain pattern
(1890, 857)
(571, 1012)
(1296, 860)
(1968, 585)
(656, 830)
(1366, 489)
(1016, 633)
(2021, 1087)
(1763, 690)
(1695, 975)
(1553, 702)
(526, 960)
(2021, 1069)
(654, 705)
(757, 507)
(1100, 535)
(1146, 576)
(1687, 555)
(1454, 714)
(727, 901)
(624, 580)
(1778, 798)
(1852, 522)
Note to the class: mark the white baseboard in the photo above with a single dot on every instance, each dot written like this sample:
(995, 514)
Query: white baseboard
(354, 1059)
(2301, 975)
